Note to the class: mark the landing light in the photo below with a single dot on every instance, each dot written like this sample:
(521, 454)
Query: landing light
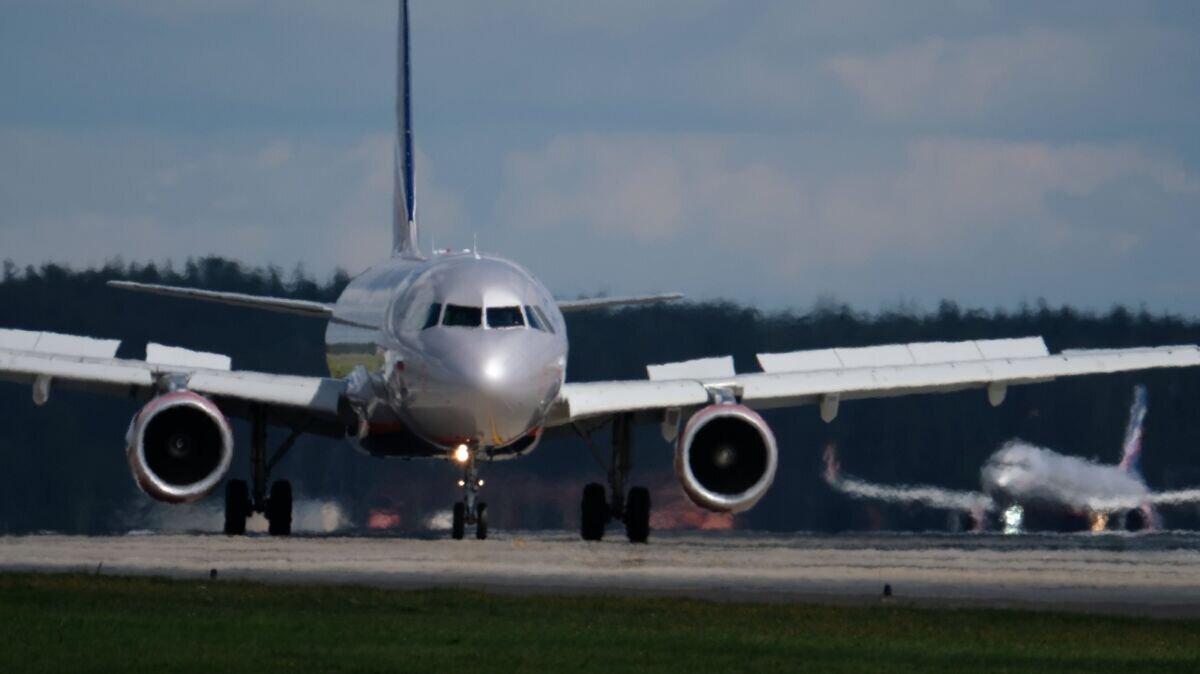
(462, 454)
(462, 483)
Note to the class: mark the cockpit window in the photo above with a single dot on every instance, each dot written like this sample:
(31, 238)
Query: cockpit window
(435, 312)
(504, 317)
(542, 318)
(466, 317)
(534, 321)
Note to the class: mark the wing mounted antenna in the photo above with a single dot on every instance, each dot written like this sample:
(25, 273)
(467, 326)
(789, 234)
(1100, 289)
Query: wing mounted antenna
(404, 203)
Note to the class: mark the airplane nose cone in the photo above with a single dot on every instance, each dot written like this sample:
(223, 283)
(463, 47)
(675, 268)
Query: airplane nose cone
(504, 385)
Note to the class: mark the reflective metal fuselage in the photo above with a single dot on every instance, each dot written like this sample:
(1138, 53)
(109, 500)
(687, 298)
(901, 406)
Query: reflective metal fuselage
(482, 370)
(1024, 474)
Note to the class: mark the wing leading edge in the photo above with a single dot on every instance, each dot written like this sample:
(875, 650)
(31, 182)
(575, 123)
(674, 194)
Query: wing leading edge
(276, 304)
(608, 302)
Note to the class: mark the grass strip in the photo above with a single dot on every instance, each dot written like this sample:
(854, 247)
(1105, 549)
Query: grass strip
(61, 623)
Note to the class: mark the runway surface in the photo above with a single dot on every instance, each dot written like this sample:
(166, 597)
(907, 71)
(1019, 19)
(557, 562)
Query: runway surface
(1155, 574)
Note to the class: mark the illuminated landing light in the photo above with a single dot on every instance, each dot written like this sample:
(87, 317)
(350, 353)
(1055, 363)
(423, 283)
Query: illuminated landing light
(1099, 522)
(462, 454)
(1013, 517)
(481, 483)
(462, 483)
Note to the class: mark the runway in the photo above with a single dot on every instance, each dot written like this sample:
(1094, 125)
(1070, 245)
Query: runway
(1155, 574)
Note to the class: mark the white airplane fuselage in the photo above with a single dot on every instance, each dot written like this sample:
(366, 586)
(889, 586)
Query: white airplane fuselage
(1024, 474)
(457, 349)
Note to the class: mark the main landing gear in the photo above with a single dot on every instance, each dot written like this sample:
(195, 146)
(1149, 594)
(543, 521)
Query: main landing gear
(469, 511)
(241, 501)
(634, 510)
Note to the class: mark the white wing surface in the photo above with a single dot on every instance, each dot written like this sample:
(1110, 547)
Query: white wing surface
(45, 360)
(828, 376)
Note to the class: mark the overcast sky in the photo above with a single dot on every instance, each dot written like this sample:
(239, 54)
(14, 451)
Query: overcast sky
(768, 152)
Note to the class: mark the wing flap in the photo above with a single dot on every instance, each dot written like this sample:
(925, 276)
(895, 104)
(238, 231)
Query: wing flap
(700, 368)
(174, 356)
(53, 342)
(918, 353)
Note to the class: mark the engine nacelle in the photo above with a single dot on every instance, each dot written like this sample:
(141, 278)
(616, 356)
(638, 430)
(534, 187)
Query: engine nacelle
(726, 458)
(179, 447)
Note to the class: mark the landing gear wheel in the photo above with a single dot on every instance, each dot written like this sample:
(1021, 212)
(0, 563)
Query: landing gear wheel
(458, 525)
(481, 521)
(237, 507)
(593, 512)
(637, 515)
(279, 509)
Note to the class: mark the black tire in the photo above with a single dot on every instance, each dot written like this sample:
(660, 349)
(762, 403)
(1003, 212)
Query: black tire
(481, 527)
(1135, 520)
(637, 515)
(458, 525)
(593, 515)
(237, 507)
(279, 509)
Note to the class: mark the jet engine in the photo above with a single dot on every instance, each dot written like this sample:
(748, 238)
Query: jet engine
(726, 458)
(179, 447)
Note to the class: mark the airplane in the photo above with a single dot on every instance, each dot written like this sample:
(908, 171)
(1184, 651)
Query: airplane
(1020, 477)
(461, 357)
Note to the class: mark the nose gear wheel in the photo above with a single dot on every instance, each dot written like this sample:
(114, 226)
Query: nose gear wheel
(469, 511)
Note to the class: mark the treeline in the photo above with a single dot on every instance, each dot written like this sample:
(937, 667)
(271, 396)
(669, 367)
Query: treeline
(62, 466)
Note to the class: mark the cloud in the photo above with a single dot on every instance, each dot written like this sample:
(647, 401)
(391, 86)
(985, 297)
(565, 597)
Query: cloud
(953, 217)
(269, 198)
(953, 78)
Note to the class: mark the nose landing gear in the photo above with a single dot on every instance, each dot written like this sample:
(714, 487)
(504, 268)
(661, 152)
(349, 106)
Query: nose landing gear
(470, 511)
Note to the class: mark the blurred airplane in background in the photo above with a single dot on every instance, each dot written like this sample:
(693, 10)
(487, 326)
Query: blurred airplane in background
(1020, 478)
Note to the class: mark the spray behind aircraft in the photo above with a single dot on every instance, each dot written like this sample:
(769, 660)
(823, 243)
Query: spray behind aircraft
(1020, 477)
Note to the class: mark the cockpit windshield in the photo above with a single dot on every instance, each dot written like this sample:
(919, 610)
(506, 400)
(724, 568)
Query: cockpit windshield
(505, 317)
(435, 313)
(534, 321)
(460, 316)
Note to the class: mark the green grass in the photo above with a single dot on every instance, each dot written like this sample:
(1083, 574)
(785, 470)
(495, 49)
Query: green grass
(61, 623)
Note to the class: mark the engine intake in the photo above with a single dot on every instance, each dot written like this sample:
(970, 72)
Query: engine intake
(726, 458)
(179, 447)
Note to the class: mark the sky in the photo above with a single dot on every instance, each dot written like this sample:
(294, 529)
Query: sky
(776, 152)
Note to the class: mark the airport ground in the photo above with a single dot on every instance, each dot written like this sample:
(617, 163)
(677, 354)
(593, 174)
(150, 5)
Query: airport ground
(698, 601)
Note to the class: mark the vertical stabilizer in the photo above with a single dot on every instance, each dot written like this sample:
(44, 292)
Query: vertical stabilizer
(404, 203)
(1132, 451)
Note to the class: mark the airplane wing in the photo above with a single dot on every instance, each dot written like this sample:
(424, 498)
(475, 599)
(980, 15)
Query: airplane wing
(276, 304)
(826, 377)
(972, 502)
(48, 360)
(605, 302)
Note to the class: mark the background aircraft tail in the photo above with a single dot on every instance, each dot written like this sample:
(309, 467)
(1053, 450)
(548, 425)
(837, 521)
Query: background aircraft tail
(404, 204)
(1131, 453)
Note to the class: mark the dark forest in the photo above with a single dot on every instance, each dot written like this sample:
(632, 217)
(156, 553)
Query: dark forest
(63, 465)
